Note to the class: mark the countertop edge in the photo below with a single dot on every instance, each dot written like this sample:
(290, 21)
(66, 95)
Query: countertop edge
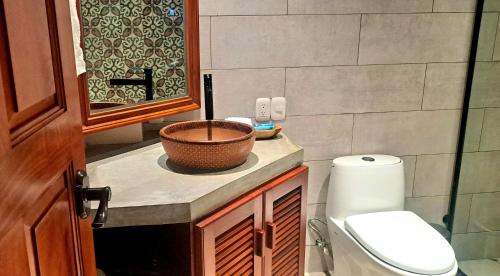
(212, 201)
(148, 215)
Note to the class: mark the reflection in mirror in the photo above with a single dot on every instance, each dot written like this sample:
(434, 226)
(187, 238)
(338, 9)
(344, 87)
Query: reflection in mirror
(108, 143)
(134, 51)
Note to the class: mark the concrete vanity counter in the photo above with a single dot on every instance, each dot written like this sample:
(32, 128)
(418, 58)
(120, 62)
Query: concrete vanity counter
(148, 190)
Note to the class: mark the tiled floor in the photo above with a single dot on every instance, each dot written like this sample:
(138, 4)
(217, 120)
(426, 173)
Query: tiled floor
(483, 267)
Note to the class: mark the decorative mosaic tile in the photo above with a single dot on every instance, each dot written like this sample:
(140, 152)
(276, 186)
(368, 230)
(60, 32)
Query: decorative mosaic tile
(113, 48)
(122, 37)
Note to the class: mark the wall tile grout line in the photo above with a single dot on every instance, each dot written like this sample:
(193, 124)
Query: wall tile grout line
(481, 193)
(352, 132)
(474, 232)
(495, 38)
(481, 132)
(433, 2)
(340, 14)
(373, 112)
(211, 46)
(410, 155)
(470, 208)
(359, 38)
(428, 196)
(343, 65)
(414, 176)
(423, 88)
(284, 86)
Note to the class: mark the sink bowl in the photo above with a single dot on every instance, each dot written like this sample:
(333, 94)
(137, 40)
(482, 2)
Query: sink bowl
(208, 145)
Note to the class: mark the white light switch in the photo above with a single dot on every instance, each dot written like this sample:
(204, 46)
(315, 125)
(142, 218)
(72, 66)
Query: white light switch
(263, 109)
(278, 108)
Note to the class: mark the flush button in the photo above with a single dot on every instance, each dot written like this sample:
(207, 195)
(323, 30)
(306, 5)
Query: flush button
(367, 158)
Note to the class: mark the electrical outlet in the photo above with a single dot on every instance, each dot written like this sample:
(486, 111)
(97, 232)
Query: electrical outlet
(278, 108)
(262, 109)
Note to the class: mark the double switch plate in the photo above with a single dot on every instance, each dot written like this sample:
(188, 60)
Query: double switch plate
(267, 109)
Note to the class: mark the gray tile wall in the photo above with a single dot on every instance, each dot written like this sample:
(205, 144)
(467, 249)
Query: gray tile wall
(360, 76)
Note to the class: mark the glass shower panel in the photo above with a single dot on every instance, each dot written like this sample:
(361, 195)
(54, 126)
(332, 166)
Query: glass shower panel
(476, 223)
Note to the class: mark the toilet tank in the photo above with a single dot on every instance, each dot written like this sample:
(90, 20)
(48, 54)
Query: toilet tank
(364, 184)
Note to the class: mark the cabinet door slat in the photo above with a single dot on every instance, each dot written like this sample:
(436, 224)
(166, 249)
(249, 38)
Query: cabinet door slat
(233, 252)
(234, 248)
(287, 218)
(291, 239)
(240, 227)
(286, 213)
(236, 264)
(237, 238)
(287, 259)
(290, 199)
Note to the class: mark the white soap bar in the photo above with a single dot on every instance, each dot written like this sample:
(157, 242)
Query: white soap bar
(244, 120)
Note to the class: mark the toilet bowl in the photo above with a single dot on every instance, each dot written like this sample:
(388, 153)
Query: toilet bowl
(370, 233)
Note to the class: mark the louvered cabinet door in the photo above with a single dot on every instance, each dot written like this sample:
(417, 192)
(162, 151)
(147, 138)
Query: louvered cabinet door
(285, 221)
(230, 242)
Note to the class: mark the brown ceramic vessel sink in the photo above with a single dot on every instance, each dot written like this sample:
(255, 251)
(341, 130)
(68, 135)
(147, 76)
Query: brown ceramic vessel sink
(208, 145)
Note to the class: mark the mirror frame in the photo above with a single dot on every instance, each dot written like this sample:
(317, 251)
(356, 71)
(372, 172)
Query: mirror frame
(148, 111)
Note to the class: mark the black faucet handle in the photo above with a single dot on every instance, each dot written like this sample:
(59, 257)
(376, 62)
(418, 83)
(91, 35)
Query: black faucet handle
(209, 101)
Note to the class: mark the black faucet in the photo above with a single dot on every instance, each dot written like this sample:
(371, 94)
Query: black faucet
(147, 81)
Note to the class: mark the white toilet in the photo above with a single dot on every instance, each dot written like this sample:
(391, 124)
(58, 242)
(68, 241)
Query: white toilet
(370, 233)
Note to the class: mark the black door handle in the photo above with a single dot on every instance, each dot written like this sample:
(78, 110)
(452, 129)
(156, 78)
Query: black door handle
(84, 194)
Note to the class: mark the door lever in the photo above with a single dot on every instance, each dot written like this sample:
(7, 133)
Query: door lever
(84, 194)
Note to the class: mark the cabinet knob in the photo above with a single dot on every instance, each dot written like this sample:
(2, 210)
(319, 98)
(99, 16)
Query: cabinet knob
(271, 235)
(259, 242)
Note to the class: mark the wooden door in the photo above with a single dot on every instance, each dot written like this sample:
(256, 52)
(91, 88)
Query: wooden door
(230, 242)
(41, 144)
(285, 204)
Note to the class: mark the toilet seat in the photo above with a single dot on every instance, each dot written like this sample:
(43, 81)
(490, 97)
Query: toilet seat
(403, 240)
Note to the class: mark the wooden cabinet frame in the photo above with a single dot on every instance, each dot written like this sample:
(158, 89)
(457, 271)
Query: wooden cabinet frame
(259, 203)
(224, 221)
(273, 191)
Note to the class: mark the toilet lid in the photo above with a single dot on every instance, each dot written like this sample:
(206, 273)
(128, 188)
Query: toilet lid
(404, 240)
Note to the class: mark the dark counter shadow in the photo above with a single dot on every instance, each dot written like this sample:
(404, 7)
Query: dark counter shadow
(168, 165)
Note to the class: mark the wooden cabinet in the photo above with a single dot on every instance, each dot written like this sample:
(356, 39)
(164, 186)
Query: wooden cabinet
(260, 233)
(285, 204)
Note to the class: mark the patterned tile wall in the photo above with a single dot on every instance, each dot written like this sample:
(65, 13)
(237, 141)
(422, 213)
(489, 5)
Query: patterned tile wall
(123, 36)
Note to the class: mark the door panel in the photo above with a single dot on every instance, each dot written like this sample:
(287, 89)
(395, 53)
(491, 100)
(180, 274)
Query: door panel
(230, 242)
(41, 144)
(13, 257)
(24, 60)
(54, 239)
(34, 88)
(285, 221)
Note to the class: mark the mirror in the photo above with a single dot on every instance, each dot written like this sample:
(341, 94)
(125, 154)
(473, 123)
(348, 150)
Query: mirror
(142, 60)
